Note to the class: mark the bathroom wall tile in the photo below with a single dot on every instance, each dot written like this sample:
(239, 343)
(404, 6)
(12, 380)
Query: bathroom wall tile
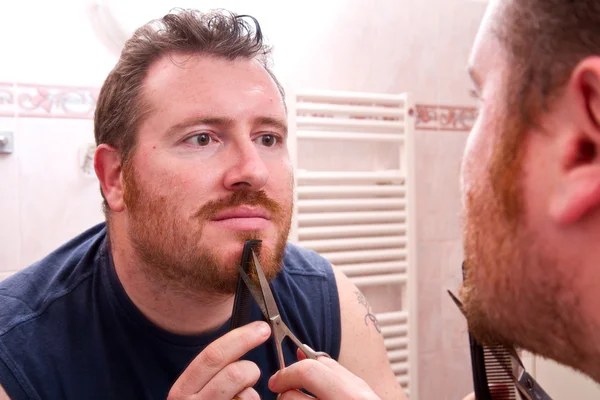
(455, 335)
(10, 238)
(457, 31)
(458, 376)
(56, 44)
(390, 51)
(430, 323)
(427, 119)
(9, 45)
(432, 376)
(8, 99)
(58, 200)
(452, 265)
(528, 360)
(4, 275)
(438, 185)
(445, 117)
(419, 73)
(54, 101)
(437, 260)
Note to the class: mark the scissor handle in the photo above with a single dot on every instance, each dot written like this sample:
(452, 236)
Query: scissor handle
(310, 353)
(532, 388)
(281, 331)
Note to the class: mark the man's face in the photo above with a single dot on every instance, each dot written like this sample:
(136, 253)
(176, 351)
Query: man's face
(211, 169)
(524, 286)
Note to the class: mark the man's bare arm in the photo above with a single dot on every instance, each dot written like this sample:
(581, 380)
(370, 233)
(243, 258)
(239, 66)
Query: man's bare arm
(363, 352)
(3, 395)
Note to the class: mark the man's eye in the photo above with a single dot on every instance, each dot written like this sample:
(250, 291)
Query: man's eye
(202, 139)
(267, 140)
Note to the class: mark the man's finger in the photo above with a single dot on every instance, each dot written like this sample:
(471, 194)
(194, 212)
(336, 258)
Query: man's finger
(329, 362)
(294, 395)
(247, 394)
(223, 351)
(311, 375)
(231, 380)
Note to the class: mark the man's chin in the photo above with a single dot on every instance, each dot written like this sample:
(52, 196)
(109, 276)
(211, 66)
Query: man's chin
(483, 328)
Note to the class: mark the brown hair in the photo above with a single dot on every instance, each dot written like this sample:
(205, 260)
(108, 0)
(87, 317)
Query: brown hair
(121, 106)
(545, 40)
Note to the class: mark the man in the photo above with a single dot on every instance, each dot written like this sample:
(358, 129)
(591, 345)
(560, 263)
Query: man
(192, 161)
(531, 181)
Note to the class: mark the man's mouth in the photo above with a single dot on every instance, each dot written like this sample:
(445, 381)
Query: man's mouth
(244, 218)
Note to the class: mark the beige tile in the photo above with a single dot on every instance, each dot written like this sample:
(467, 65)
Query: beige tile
(4, 275)
(438, 185)
(459, 23)
(430, 322)
(54, 45)
(57, 200)
(456, 332)
(10, 235)
(455, 326)
(458, 380)
(431, 376)
(452, 263)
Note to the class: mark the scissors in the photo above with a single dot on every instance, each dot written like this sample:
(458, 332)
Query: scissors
(528, 388)
(265, 300)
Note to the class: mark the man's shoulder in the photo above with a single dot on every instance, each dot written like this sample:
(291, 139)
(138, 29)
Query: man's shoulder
(298, 260)
(29, 292)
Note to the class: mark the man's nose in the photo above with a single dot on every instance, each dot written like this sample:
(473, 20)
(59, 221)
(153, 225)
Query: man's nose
(248, 170)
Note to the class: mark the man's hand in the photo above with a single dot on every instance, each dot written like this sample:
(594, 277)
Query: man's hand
(324, 378)
(217, 373)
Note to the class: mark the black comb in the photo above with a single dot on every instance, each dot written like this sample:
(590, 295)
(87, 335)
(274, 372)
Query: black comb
(243, 299)
(491, 369)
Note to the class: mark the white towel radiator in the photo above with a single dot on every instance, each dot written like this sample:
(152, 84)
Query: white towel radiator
(353, 157)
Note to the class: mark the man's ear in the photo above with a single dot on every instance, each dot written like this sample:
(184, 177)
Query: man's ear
(579, 191)
(107, 164)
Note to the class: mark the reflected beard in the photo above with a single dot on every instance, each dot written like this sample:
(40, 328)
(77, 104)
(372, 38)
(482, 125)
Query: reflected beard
(514, 293)
(173, 255)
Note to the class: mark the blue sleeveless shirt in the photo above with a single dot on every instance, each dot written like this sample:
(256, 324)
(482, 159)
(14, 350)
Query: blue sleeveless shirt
(68, 330)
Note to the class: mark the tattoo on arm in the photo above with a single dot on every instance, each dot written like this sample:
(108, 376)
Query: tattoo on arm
(369, 316)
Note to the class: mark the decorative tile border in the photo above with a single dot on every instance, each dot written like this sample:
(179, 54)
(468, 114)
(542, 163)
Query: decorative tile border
(445, 118)
(46, 101)
(7, 100)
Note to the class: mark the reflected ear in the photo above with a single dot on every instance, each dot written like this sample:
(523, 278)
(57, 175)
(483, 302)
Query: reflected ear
(579, 192)
(107, 165)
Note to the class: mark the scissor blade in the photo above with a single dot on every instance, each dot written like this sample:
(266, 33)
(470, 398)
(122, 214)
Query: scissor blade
(457, 302)
(270, 303)
(254, 291)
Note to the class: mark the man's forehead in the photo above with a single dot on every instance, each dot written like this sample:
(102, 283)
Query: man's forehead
(486, 42)
(197, 77)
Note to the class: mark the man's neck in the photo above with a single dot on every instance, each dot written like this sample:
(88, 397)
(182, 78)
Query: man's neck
(164, 303)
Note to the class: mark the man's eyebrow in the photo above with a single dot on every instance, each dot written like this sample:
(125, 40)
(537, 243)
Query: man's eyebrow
(274, 122)
(277, 123)
(474, 76)
(198, 121)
